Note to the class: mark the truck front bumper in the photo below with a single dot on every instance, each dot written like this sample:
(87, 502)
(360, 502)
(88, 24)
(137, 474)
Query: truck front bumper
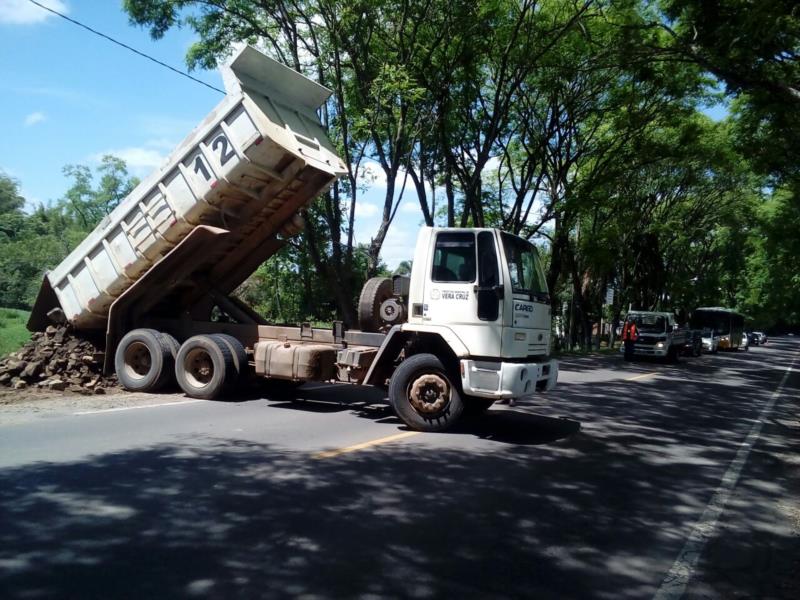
(501, 380)
(646, 350)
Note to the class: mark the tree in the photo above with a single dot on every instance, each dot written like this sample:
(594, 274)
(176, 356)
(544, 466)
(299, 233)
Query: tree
(767, 288)
(574, 123)
(10, 199)
(753, 49)
(88, 204)
(31, 243)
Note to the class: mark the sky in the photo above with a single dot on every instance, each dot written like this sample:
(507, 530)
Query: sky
(70, 97)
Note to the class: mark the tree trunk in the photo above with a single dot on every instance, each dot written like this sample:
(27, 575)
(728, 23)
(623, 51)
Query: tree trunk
(339, 281)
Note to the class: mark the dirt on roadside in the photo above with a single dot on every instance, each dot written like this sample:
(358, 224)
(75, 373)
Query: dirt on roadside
(57, 360)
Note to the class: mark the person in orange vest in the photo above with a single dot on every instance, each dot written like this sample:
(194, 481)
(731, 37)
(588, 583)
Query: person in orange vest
(629, 335)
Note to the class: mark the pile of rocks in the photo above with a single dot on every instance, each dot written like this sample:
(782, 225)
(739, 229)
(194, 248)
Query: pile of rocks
(57, 360)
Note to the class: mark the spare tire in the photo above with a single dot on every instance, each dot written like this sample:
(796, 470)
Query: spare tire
(374, 292)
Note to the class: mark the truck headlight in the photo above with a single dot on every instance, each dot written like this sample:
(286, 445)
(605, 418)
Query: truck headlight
(660, 345)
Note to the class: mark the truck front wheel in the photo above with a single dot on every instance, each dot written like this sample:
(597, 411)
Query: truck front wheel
(423, 395)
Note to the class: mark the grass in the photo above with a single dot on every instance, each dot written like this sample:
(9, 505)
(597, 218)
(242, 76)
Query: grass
(12, 329)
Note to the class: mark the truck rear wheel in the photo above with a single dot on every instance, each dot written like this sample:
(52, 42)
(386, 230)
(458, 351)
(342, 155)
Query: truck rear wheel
(423, 395)
(143, 361)
(204, 367)
(238, 352)
(174, 345)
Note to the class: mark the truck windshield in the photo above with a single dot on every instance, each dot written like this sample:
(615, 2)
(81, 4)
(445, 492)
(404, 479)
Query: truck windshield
(524, 268)
(649, 323)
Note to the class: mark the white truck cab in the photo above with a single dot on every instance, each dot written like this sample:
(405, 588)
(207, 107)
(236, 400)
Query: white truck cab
(658, 334)
(487, 289)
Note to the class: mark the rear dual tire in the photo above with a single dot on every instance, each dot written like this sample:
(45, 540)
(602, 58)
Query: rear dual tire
(205, 366)
(209, 365)
(144, 360)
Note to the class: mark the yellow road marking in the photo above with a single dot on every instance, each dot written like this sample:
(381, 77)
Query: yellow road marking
(642, 376)
(363, 445)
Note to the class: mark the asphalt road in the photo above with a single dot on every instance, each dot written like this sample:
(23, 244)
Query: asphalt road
(629, 481)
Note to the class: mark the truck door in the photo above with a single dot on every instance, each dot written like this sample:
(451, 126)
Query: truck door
(527, 323)
(489, 289)
(461, 290)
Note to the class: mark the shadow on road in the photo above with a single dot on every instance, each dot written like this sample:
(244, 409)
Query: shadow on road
(555, 510)
(507, 426)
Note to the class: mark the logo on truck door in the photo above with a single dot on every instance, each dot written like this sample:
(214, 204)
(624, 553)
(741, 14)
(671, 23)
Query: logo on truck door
(523, 312)
(449, 295)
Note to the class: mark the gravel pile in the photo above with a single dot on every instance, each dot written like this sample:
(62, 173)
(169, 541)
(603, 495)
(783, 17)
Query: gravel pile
(57, 360)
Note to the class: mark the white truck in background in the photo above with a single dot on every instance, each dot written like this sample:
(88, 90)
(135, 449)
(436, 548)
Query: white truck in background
(658, 334)
(471, 325)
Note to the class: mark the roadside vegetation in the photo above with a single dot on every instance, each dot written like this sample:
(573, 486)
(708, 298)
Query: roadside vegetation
(13, 333)
(583, 126)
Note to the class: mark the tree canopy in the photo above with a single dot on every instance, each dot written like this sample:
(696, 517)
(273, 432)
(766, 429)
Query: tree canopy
(582, 125)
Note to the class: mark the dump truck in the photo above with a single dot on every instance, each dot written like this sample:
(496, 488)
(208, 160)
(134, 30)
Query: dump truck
(156, 278)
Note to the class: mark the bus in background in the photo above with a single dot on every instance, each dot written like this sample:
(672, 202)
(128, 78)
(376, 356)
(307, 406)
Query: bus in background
(726, 323)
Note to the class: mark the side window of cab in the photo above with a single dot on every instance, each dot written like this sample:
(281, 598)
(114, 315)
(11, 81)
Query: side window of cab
(454, 257)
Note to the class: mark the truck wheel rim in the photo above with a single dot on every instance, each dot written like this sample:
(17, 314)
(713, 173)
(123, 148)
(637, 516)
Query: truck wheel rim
(138, 361)
(429, 394)
(199, 368)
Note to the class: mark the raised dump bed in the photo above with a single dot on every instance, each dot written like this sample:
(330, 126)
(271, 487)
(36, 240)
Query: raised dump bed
(246, 171)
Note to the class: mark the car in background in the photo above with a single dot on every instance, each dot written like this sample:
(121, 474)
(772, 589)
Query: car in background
(745, 342)
(753, 337)
(762, 337)
(710, 340)
(694, 343)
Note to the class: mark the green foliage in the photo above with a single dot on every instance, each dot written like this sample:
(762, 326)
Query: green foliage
(287, 288)
(13, 333)
(578, 125)
(591, 108)
(10, 200)
(34, 242)
(87, 204)
(753, 48)
(770, 280)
